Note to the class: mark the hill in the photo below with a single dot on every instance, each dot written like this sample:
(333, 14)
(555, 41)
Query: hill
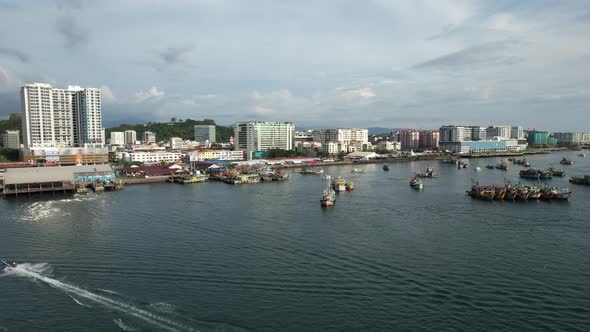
(14, 122)
(182, 129)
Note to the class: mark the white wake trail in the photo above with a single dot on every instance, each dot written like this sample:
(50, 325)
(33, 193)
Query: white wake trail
(149, 317)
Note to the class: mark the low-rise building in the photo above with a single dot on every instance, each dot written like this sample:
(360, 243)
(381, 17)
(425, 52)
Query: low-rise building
(176, 143)
(11, 139)
(386, 145)
(215, 154)
(65, 156)
(152, 157)
(361, 155)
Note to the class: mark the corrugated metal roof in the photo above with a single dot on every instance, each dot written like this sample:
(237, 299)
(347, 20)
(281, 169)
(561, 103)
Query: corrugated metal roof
(50, 174)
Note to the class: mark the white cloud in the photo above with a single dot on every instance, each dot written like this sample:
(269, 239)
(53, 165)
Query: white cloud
(107, 94)
(263, 110)
(152, 93)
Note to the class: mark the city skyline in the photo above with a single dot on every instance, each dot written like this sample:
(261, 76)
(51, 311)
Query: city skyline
(402, 65)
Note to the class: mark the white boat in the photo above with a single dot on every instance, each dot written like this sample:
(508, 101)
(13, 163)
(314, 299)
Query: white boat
(477, 169)
(358, 170)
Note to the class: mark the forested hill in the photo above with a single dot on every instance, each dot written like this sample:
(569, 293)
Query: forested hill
(175, 128)
(14, 122)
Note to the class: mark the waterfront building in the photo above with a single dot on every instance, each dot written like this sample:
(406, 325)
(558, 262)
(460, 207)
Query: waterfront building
(66, 155)
(54, 178)
(215, 154)
(11, 139)
(148, 137)
(585, 138)
(204, 133)
(568, 138)
(257, 136)
(130, 137)
(538, 137)
(517, 132)
(176, 143)
(61, 117)
(117, 138)
(151, 157)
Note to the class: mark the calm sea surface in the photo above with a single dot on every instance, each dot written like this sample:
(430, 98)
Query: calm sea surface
(267, 257)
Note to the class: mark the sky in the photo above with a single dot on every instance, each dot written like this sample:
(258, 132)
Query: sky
(369, 63)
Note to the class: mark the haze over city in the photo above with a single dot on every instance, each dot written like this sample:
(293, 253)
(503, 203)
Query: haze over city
(417, 64)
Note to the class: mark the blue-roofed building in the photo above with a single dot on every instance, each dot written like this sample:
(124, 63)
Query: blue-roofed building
(474, 147)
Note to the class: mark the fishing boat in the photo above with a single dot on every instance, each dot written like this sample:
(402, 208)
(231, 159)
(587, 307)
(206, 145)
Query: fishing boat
(191, 178)
(522, 193)
(486, 193)
(462, 164)
(429, 173)
(534, 192)
(556, 171)
(585, 180)
(386, 167)
(565, 161)
(416, 183)
(511, 193)
(535, 174)
(339, 184)
(503, 165)
(329, 196)
(349, 185)
(550, 193)
(279, 176)
(311, 171)
(500, 193)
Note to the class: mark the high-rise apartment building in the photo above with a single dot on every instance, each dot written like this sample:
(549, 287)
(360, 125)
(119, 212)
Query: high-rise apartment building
(517, 132)
(254, 136)
(456, 133)
(341, 135)
(61, 117)
(130, 137)
(498, 131)
(117, 138)
(429, 139)
(204, 133)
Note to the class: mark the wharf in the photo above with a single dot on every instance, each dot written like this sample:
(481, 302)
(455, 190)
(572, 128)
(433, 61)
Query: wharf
(141, 180)
(64, 188)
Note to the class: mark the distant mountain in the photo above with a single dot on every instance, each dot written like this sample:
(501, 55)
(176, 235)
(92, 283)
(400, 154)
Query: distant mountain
(381, 130)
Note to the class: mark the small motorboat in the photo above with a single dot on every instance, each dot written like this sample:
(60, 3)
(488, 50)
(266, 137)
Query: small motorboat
(386, 167)
(358, 170)
(565, 161)
(8, 263)
(582, 155)
(477, 169)
(490, 166)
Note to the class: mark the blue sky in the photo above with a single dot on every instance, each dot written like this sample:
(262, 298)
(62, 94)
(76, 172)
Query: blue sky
(412, 64)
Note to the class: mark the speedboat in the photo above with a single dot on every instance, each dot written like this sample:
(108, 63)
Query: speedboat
(8, 263)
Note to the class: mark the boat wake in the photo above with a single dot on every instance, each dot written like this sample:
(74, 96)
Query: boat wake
(37, 272)
(123, 326)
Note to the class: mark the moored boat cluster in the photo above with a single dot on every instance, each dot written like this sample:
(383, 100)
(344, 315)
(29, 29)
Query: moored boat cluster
(509, 192)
